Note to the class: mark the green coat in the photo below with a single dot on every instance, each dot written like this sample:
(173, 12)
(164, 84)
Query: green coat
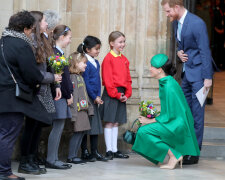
(173, 129)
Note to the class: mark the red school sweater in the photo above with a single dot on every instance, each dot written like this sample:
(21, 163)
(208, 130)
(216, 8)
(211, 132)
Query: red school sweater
(116, 73)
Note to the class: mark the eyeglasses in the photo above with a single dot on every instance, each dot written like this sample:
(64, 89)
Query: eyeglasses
(66, 30)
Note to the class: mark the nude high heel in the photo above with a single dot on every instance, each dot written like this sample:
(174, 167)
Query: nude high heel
(173, 166)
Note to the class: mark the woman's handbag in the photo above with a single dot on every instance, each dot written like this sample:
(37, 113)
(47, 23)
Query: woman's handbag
(129, 136)
(22, 91)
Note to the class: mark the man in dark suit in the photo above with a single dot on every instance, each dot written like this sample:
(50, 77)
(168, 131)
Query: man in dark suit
(193, 50)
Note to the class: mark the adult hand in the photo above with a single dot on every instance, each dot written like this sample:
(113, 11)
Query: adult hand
(58, 94)
(70, 101)
(58, 78)
(143, 120)
(207, 84)
(183, 57)
(98, 100)
(121, 97)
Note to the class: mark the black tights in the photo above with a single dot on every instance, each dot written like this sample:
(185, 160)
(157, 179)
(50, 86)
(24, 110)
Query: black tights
(30, 138)
(93, 141)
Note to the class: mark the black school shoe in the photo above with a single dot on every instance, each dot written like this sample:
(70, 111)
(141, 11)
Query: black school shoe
(98, 156)
(86, 156)
(109, 155)
(76, 160)
(189, 160)
(54, 166)
(120, 155)
(2, 177)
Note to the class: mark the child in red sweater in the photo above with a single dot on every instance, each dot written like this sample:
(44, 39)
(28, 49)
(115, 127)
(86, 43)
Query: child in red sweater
(117, 81)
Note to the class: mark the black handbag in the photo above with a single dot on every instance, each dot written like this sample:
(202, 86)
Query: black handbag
(22, 91)
(130, 135)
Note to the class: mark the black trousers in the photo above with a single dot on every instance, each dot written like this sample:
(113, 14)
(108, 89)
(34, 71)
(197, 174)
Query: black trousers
(10, 126)
(93, 141)
(31, 136)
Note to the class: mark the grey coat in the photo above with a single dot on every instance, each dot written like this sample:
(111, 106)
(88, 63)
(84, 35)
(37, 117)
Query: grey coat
(81, 108)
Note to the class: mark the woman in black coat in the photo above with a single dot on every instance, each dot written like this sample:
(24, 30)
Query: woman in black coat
(20, 58)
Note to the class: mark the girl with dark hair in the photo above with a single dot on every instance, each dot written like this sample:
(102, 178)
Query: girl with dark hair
(32, 129)
(62, 36)
(91, 48)
(16, 53)
(172, 132)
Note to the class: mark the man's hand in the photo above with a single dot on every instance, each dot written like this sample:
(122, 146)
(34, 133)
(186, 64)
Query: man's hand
(183, 57)
(207, 84)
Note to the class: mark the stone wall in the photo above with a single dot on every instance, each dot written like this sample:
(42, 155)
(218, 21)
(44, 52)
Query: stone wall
(143, 22)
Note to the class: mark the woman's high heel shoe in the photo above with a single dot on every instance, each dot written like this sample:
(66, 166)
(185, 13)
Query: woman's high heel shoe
(166, 166)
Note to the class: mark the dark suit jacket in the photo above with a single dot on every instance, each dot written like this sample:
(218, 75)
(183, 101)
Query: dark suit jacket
(195, 43)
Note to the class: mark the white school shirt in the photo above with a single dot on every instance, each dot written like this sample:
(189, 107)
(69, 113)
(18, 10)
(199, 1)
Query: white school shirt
(91, 60)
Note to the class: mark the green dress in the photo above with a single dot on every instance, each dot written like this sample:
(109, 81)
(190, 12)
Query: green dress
(173, 129)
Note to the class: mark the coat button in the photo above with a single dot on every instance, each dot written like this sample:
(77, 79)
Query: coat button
(38, 85)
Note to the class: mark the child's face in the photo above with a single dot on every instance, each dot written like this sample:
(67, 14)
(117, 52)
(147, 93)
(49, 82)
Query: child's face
(118, 44)
(94, 52)
(66, 40)
(82, 65)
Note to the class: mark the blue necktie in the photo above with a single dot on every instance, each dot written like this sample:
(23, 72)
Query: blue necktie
(179, 31)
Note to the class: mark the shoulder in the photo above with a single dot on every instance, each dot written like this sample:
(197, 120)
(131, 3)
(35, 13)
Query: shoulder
(195, 20)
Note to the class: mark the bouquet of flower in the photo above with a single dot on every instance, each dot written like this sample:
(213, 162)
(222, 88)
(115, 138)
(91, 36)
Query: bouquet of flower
(58, 63)
(147, 109)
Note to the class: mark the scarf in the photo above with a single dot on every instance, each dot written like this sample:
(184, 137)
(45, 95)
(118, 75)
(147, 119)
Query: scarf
(16, 34)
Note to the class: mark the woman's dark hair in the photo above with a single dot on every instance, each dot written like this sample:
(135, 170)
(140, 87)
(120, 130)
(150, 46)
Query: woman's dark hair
(88, 43)
(44, 48)
(169, 68)
(21, 20)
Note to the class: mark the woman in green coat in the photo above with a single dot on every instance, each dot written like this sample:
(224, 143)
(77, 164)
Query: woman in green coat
(172, 132)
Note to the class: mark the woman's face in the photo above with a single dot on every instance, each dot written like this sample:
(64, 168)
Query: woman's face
(119, 44)
(94, 52)
(82, 65)
(43, 25)
(66, 40)
(154, 72)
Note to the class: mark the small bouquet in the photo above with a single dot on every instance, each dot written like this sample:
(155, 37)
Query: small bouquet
(58, 63)
(147, 109)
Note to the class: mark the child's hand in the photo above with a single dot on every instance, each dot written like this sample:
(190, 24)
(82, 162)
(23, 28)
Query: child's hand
(121, 97)
(70, 101)
(58, 94)
(98, 100)
(124, 99)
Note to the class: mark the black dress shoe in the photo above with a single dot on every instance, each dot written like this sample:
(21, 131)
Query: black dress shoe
(54, 166)
(26, 168)
(86, 156)
(35, 165)
(7, 178)
(98, 156)
(189, 160)
(118, 154)
(109, 155)
(67, 165)
(76, 160)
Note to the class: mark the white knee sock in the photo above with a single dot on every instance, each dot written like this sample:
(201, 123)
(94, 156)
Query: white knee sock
(114, 139)
(108, 138)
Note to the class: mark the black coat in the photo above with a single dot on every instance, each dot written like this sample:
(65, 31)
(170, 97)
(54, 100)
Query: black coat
(21, 60)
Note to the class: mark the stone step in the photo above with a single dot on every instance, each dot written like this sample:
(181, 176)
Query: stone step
(214, 133)
(213, 142)
(213, 148)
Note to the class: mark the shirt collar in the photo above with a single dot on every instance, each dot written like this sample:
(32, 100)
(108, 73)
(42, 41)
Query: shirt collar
(57, 47)
(181, 20)
(114, 54)
(91, 59)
